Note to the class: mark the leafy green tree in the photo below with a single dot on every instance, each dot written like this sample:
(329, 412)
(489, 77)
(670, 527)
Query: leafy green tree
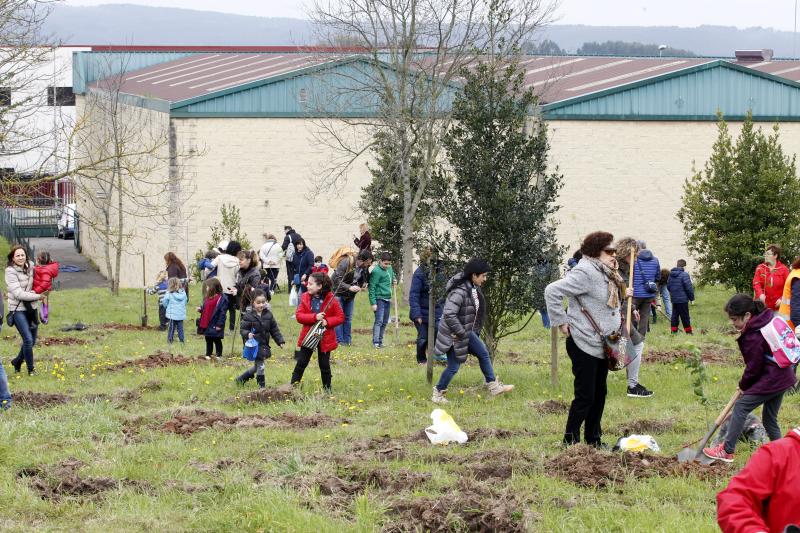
(229, 228)
(746, 196)
(501, 197)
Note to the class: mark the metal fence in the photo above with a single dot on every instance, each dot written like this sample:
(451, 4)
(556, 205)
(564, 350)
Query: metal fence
(12, 233)
(33, 222)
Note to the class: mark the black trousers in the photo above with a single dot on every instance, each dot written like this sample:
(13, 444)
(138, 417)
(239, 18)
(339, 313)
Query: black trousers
(162, 316)
(289, 275)
(590, 396)
(214, 342)
(680, 311)
(303, 358)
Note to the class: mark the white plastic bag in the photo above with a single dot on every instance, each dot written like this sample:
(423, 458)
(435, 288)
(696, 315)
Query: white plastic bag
(293, 300)
(637, 443)
(444, 429)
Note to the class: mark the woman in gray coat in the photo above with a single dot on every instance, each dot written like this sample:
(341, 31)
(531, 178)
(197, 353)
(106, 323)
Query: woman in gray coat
(594, 285)
(22, 304)
(462, 318)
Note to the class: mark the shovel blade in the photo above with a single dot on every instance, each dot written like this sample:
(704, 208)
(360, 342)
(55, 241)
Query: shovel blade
(688, 455)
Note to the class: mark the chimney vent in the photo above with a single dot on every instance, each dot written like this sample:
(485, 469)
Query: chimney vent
(754, 55)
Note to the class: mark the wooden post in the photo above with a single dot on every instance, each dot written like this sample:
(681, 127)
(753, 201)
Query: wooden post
(554, 356)
(431, 322)
(144, 294)
(630, 286)
(396, 316)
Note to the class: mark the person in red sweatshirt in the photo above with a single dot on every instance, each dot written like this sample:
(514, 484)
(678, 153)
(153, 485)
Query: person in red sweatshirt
(44, 273)
(763, 496)
(770, 277)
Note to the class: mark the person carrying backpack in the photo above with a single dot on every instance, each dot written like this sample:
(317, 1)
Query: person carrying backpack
(289, 241)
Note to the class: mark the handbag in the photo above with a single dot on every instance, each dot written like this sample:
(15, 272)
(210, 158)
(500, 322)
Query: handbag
(616, 345)
(10, 316)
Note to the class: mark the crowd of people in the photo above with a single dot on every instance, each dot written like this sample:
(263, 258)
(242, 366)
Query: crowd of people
(605, 281)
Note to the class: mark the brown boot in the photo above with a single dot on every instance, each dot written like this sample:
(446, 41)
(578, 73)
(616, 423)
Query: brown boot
(438, 396)
(497, 387)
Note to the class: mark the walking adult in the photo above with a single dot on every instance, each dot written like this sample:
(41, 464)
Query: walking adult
(23, 305)
(364, 242)
(227, 265)
(458, 335)
(269, 253)
(288, 246)
(350, 275)
(593, 285)
(419, 302)
(646, 273)
(770, 278)
(303, 263)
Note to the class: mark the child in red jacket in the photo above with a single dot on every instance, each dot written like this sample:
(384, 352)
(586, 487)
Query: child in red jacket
(44, 273)
(764, 496)
(318, 303)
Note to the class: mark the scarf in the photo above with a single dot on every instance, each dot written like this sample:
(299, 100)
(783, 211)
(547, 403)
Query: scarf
(615, 281)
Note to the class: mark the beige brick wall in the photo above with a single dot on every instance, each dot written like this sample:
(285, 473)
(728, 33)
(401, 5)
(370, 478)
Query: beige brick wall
(623, 177)
(627, 177)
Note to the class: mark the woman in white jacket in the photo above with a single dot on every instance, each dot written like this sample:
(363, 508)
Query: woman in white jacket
(271, 259)
(23, 304)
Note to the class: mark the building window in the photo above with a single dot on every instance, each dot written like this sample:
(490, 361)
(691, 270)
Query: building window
(61, 96)
(5, 96)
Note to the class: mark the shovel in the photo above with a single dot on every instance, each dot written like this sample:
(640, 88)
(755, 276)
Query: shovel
(697, 455)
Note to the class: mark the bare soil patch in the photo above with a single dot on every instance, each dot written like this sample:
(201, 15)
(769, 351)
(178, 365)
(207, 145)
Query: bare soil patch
(187, 423)
(126, 327)
(62, 480)
(643, 427)
(158, 359)
(586, 467)
(352, 480)
(278, 394)
(62, 341)
(550, 407)
(716, 355)
(39, 400)
(471, 506)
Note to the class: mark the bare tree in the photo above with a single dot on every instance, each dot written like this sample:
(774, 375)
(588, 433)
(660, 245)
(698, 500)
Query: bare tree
(127, 167)
(413, 54)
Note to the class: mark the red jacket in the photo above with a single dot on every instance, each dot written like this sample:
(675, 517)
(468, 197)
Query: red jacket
(43, 276)
(764, 495)
(770, 282)
(333, 314)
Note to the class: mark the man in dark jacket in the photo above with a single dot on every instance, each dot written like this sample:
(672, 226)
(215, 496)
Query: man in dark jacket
(419, 302)
(289, 241)
(681, 292)
(349, 277)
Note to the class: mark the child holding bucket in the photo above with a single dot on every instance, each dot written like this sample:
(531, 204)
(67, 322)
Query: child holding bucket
(763, 381)
(259, 324)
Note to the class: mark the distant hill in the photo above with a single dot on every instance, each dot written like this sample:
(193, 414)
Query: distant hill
(130, 24)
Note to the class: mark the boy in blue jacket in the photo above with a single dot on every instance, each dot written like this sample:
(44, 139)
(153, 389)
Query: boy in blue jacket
(418, 305)
(681, 292)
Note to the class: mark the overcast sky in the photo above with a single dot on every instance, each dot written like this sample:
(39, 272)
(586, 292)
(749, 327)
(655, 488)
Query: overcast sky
(777, 14)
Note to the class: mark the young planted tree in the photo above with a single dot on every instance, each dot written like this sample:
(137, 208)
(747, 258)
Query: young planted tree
(229, 228)
(502, 195)
(746, 196)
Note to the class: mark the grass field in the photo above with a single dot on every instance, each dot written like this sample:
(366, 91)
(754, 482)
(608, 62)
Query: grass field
(176, 447)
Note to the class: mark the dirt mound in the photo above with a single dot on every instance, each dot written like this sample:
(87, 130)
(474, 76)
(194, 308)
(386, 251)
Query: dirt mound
(39, 400)
(125, 327)
(717, 355)
(643, 427)
(470, 506)
(62, 341)
(278, 394)
(60, 480)
(550, 407)
(351, 481)
(187, 423)
(586, 467)
(156, 360)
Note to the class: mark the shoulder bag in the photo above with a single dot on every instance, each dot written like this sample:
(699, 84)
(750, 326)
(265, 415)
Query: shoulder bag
(616, 345)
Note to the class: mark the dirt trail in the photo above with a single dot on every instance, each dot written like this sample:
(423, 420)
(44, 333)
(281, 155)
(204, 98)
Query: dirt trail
(586, 467)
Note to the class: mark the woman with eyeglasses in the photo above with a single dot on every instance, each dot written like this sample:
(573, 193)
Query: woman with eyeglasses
(595, 286)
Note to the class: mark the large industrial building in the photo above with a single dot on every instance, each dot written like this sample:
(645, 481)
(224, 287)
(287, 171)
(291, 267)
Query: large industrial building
(625, 132)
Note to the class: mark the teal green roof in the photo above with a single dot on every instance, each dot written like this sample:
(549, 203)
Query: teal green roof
(694, 93)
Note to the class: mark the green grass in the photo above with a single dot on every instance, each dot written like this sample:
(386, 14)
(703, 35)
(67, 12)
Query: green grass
(377, 392)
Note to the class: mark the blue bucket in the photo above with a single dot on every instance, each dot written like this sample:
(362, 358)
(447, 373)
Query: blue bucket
(250, 351)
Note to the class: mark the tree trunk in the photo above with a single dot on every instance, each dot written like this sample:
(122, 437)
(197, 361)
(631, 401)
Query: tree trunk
(408, 254)
(120, 232)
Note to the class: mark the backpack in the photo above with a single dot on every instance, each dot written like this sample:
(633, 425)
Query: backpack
(782, 343)
(290, 249)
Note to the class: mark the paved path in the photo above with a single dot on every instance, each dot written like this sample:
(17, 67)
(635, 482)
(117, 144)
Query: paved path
(65, 253)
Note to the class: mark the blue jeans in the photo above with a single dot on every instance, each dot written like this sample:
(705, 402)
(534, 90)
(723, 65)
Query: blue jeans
(28, 331)
(666, 300)
(478, 349)
(175, 325)
(343, 331)
(381, 319)
(5, 394)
